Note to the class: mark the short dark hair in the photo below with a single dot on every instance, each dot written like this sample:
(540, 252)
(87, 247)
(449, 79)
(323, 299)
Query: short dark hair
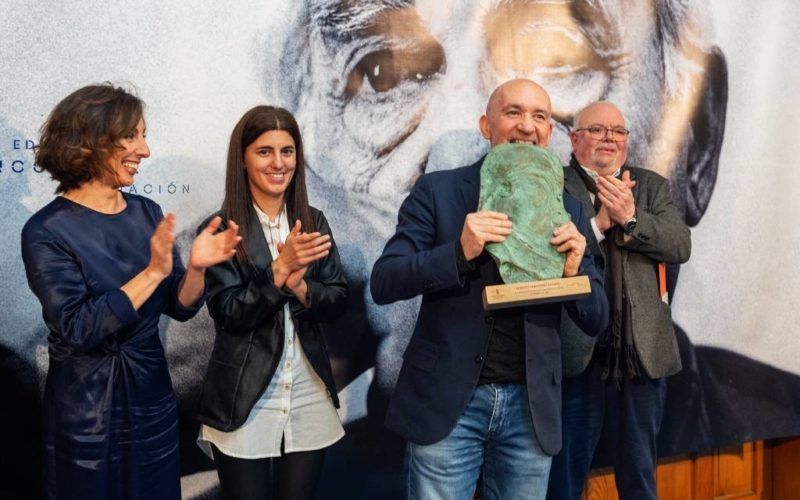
(83, 130)
(238, 202)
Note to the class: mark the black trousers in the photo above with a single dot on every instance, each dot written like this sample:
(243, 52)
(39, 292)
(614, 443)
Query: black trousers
(290, 476)
(628, 418)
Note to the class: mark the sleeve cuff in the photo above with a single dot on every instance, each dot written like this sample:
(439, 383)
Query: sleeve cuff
(265, 282)
(598, 235)
(462, 264)
(121, 306)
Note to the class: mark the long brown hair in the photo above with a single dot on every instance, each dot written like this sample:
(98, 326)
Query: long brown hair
(83, 130)
(238, 202)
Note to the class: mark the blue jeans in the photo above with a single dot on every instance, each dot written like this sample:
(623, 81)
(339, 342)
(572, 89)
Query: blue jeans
(626, 419)
(494, 434)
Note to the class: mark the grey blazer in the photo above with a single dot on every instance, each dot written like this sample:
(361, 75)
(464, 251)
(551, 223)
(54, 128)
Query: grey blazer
(660, 236)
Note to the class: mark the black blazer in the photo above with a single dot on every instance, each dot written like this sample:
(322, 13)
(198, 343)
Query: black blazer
(247, 310)
(443, 360)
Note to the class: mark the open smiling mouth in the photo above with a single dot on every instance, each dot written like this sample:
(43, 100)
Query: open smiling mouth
(131, 166)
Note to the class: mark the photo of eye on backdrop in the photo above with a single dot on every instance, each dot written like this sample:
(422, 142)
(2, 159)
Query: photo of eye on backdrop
(386, 91)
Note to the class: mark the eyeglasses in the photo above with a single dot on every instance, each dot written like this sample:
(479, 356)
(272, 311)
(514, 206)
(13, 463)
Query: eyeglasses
(599, 132)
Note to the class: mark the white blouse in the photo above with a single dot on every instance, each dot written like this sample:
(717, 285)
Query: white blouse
(295, 408)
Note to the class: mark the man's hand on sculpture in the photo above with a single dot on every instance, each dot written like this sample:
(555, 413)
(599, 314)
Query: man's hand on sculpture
(616, 195)
(568, 240)
(481, 228)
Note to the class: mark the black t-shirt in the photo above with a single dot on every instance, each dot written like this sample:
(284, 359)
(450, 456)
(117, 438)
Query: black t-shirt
(505, 357)
(504, 362)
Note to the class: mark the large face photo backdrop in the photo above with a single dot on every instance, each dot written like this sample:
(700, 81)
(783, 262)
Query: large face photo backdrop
(387, 90)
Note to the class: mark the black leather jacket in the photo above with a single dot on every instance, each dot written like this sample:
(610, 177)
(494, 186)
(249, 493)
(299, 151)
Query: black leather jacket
(247, 310)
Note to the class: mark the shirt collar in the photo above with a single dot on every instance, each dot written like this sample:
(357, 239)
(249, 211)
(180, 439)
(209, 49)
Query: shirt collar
(594, 175)
(263, 218)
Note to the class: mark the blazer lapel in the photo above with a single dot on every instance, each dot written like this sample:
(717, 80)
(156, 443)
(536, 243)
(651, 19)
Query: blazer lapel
(636, 187)
(256, 243)
(470, 194)
(471, 186)
(576, 188)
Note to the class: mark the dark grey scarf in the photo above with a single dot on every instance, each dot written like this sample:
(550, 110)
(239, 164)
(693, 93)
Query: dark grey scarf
(619, 336)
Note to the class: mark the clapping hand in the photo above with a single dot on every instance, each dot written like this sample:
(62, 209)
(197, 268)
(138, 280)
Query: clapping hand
(295, 279)
(616, 196)
(161, 243)
(294, 256)
(209, 248)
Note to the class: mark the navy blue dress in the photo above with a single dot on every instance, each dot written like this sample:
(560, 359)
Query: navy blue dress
(110, 418)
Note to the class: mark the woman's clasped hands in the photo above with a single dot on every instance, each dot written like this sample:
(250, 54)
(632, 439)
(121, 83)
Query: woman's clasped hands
(294, 256)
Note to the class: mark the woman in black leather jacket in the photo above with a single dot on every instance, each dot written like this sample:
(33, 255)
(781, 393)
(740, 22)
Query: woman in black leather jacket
(268, 399)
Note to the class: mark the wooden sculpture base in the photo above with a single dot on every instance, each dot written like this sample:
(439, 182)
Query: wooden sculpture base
(535, 292)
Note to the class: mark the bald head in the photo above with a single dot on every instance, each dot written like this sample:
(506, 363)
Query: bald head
(595, 109)
(518, 111)
(594, 144)
(514, 87)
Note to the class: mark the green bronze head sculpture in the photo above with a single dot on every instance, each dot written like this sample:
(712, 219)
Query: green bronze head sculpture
(526, 183)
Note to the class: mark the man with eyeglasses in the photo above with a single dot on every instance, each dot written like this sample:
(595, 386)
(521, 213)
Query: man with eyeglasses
(617, 385)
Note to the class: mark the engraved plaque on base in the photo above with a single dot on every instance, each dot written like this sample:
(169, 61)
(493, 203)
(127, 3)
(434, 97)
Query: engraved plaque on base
(535, 292)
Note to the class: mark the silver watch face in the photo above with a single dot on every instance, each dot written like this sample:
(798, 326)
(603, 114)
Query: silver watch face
(630, 225)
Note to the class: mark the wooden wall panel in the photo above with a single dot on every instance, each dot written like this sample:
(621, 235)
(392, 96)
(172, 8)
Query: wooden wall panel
(600, 486)
(705, 471)
(758, 471)
(738, 471)
(675, 478)
(784, 459)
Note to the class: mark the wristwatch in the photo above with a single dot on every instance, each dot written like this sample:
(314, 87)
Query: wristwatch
(629, 225)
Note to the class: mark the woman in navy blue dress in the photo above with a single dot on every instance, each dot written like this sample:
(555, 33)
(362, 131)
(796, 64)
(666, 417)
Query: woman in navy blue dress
(104, 266)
